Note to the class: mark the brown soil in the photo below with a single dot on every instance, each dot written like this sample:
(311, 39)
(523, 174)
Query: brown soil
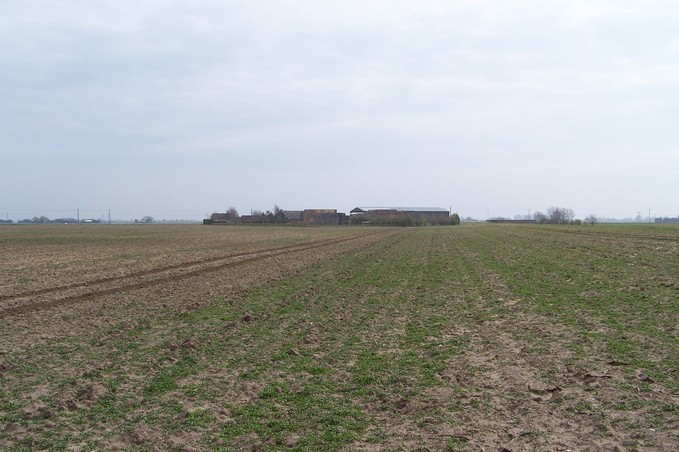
(88, 302)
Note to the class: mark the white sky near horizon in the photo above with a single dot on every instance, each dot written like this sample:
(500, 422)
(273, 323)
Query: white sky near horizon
(177, 109)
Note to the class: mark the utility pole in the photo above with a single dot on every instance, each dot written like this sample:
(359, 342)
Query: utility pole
(649, 215)
(78, 214)
(109, 216)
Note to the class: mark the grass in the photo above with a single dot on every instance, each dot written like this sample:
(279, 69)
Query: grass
(436, 337)
(166, 380)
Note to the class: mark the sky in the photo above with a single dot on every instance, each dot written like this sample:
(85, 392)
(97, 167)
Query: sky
(177, 109)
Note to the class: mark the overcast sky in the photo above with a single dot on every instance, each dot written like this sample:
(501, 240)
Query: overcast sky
(176, 109)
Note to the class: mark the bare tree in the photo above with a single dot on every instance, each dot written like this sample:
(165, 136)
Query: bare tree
(560, 215)
(540, 217)
(591, 219)
(278, 215)
(568, 215)
(232, 215)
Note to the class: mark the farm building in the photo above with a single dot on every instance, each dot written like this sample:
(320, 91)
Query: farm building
(323, 217)
(399, 216)
(310, 217)
(415, 212)
(305, 217)
(293, 216)
(219, 218)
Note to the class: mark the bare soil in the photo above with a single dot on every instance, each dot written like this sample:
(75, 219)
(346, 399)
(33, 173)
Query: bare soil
(71, 289)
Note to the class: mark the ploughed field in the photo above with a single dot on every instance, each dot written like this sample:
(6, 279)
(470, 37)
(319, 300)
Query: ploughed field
(479, 337)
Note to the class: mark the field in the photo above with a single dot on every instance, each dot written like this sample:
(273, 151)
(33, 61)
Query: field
(481, 337)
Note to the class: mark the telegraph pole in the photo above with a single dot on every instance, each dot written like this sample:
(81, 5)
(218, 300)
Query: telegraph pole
(109, 216)
(78, 213)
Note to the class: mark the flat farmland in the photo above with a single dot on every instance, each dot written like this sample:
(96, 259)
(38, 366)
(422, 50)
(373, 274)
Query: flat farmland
(479, 337)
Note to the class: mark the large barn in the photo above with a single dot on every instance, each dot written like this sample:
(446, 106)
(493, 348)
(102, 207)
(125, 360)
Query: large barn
(415, 212)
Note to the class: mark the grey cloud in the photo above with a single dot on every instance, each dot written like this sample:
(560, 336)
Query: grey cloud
(460, 92)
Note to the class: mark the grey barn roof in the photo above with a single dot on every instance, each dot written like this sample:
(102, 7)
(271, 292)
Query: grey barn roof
(294, 215)
(400, 209)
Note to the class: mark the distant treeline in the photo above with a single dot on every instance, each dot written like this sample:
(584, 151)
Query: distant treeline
(667, 220)
(45, 220)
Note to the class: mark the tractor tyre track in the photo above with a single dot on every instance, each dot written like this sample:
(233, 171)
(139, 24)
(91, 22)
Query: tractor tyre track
(151, 272)
(26, 302)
